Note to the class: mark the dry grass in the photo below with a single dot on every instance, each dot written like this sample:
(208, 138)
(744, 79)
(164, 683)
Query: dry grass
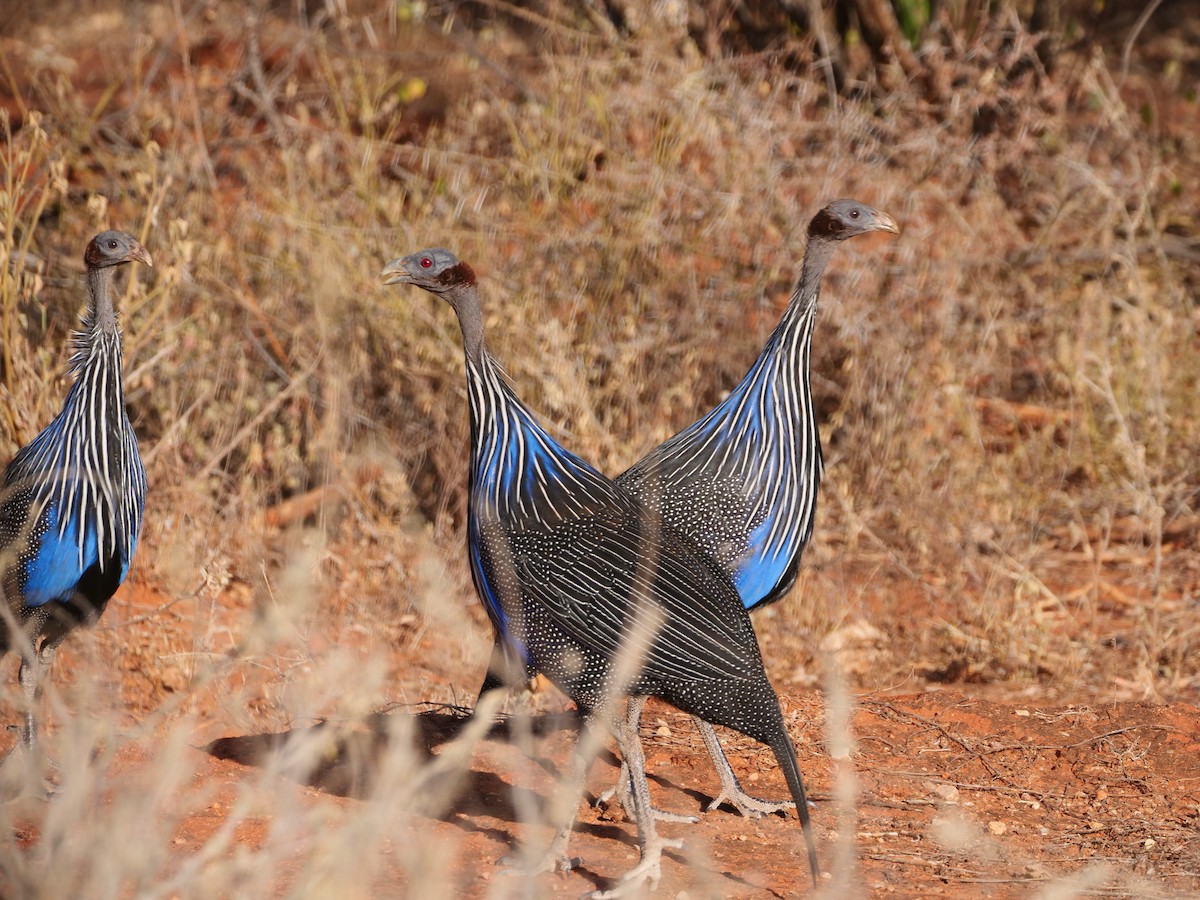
(1007, 390)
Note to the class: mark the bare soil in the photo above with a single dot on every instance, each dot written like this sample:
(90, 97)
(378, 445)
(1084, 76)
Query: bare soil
(944, 792)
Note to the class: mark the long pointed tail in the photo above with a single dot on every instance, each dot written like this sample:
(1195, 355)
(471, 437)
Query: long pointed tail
(785, 754)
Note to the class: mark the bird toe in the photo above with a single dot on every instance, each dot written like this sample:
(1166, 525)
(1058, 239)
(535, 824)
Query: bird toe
(647, 873)
(550, 862)
(750, 806)
(661, 815)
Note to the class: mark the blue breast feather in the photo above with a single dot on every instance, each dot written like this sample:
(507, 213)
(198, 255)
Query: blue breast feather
(761, 571)
(53, 572)
(54, 569)
(531, 477)
(490, 600)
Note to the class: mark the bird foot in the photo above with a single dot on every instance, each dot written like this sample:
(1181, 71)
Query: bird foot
(647, 872)
(621, 797)
(553, 861)
(748, 805)
(25, 772)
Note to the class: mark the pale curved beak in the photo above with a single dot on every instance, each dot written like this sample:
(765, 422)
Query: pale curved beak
(395, 272)
(884, 222)
(138, 253)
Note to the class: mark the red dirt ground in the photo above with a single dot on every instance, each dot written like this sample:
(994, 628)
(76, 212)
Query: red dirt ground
(944, 793)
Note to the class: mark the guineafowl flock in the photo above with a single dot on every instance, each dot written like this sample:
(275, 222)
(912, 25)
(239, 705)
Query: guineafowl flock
(615, 589)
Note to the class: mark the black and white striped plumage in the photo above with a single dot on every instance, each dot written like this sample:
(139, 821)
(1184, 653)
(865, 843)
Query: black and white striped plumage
(574, 572)
(742, 480)
(72, 502)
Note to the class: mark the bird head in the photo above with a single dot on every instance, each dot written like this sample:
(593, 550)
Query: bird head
(114, 248)
(436, 270)
(843, 219)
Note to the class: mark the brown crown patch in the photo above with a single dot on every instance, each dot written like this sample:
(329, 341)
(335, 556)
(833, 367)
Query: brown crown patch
(460, 274)
(92, 254)
(826, 224)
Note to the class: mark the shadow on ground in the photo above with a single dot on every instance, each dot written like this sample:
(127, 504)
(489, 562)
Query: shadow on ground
(344, 760)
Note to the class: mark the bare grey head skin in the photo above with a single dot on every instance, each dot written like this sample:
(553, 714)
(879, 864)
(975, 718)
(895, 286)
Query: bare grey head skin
(440, 272)
(103, 254)
(838, 221)
(114, 248)
(843, 219)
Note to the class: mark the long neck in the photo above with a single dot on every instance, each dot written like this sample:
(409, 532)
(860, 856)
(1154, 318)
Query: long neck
(489, 394)
(485, 383)
(99, 335)
(518, 469)
(465, 300)
(101, 314)
(816, 259)
(789, 341)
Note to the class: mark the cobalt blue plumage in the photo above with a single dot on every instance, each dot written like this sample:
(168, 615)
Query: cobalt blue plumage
(72, 501)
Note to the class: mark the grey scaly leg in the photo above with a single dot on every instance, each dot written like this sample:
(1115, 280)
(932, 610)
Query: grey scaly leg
(45, 659)
(648, 871)
(31, 674)
(748, 805)
(731, 790)
(621, 788)
(35, 666)
(32, 690)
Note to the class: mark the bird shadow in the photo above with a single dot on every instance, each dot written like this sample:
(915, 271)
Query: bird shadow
(346, 760)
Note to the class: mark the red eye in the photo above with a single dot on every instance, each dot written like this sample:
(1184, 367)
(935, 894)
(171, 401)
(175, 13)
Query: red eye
(426, 262)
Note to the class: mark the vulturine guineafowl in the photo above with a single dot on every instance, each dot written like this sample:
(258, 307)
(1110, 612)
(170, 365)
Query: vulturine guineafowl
(741, 482)
(578, 577)
(71, 506)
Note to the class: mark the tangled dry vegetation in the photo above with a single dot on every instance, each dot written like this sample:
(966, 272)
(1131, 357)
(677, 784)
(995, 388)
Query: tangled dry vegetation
(1007, 391)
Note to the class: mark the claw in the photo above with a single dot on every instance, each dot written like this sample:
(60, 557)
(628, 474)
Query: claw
(620, 793)
(748, 805)
(647, 872)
